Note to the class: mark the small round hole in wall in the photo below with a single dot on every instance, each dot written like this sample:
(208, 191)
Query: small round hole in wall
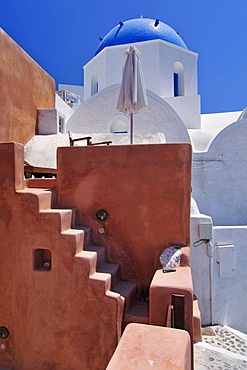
(4, 333)
(102, 215)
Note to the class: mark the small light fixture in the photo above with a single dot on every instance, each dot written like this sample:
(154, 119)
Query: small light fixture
(4, 333)
(102, 215)
(156, 23)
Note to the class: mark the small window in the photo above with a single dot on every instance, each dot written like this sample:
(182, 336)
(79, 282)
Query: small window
(94, 85)
(178, 79)
(41, 260)
(176, 90)
(61, 124)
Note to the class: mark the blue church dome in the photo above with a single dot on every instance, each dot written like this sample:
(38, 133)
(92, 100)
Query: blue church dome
(138, 30)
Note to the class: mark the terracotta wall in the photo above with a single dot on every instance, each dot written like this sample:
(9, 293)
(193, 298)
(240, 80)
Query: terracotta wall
(146, 191)
(59, 318)
(25, 86)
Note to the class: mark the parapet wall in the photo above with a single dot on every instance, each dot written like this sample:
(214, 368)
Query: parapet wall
(25, 86)
(145, 189)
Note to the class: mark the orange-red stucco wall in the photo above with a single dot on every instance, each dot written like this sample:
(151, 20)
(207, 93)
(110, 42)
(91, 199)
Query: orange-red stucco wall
(66, 317)
(60, 318)
(25, 86)
(146, 191)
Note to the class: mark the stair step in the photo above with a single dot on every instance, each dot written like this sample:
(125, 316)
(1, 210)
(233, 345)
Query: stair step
(138, 313)
(38, 198)
(87, 234)
(101, 253)
(74, 217)
(62, 216)
(90, 260)
(101, 281)
(77, 237)
(128, 290)
(113, 269)
(197, 322)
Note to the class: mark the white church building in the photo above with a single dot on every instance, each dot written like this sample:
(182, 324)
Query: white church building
(219, 167)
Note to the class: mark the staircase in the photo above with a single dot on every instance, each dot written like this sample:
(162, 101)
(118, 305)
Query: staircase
(127, 290)
(98, 268)
(106, 274)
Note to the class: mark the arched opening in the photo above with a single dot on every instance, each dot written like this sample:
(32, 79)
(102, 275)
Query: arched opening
(119, 127)
(118, 124)
(94, 84)
(178, 79)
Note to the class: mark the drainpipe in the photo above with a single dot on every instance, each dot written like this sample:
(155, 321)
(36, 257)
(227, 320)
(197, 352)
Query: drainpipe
(209, 252)
(210, 262)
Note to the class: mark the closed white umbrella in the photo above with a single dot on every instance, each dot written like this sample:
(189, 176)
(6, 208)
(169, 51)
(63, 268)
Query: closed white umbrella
(133, 96)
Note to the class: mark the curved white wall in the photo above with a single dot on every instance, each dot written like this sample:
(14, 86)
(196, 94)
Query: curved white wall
(220, 176)
(96, 115)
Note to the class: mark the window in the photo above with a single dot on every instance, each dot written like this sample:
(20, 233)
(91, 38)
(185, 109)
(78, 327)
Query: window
(178, 79)
(175, 81)
(61, 124)
(94, 85)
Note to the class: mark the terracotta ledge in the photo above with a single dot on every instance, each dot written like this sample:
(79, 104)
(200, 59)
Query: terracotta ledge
(163, 288)
(152, 347)
(41, 183)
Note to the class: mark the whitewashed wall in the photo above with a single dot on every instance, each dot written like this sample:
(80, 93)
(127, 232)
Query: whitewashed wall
(201, 265)
(219, 272)
(230, 277)
(98, 112)
(63, 110)
(220, 176)
(158, 60)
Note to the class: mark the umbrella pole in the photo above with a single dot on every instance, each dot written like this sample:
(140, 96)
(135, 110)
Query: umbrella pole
(131, 127)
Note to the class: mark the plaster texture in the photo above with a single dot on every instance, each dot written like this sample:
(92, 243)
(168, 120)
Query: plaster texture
(25, 86)
(219, 120)
(162, 287)
(96, 116)
(41, 150)
(64, 111)
(62, 317)
(219, 181)
(152, 347)
(229, 291)
(201, 265)
(150, 209)
(47, 121)
(160, 60)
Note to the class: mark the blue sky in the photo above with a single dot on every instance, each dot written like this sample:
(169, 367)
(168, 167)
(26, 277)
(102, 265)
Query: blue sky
(62, 36)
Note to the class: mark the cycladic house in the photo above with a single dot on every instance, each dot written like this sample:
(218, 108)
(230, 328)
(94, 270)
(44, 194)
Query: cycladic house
(219, 151)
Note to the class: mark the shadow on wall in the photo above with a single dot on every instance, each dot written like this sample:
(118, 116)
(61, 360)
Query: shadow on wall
(25, 86)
